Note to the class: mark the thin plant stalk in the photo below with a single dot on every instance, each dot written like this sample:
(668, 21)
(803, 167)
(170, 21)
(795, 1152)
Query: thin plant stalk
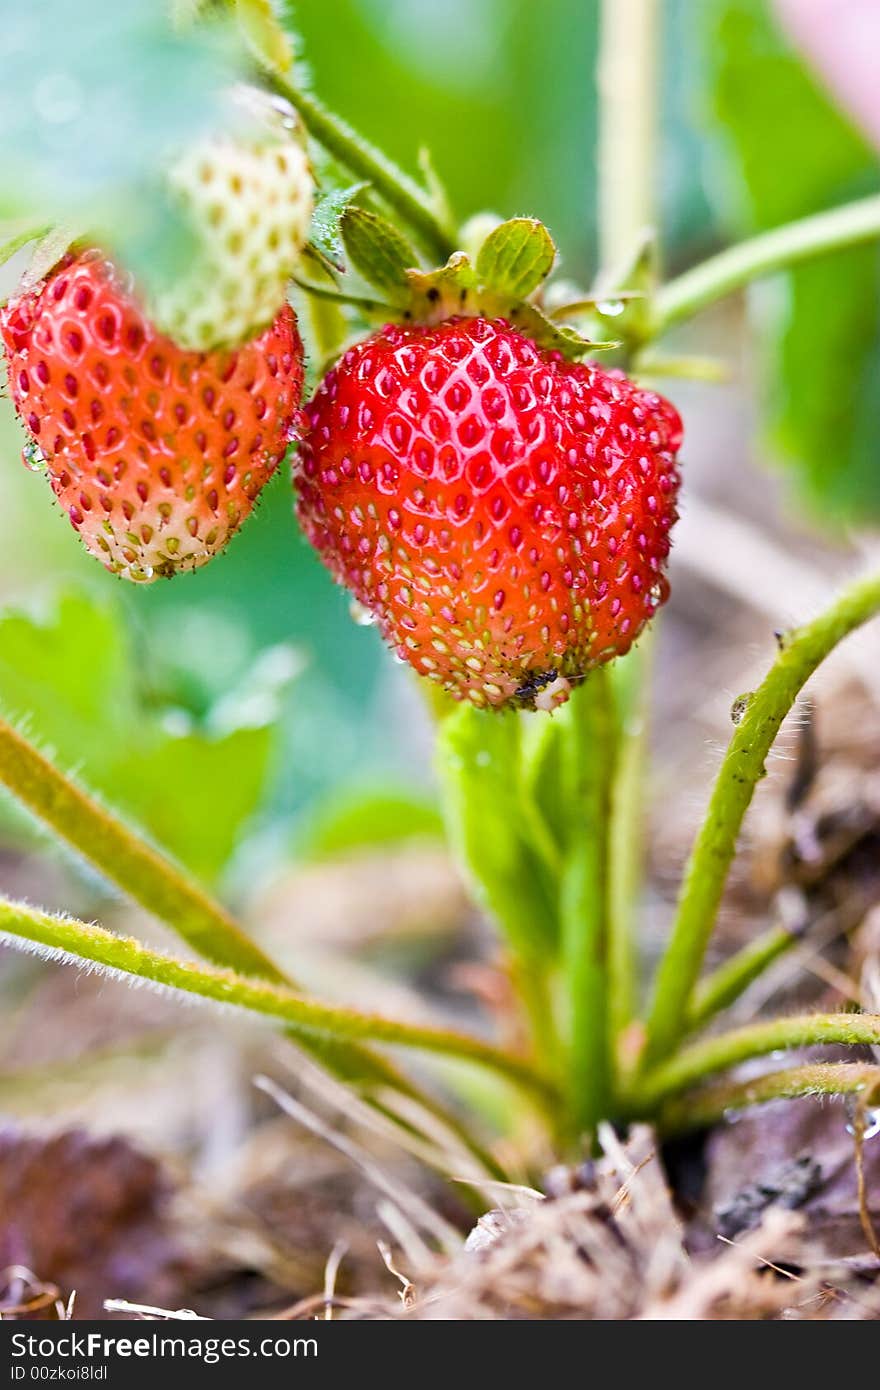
(154, 881)
(585, 898)
(691, 1065)
(414, 205)
(627, 156)
(708, 1105)
(81, 942)
(124, 858)
(628, 82)
(723, 986)
(626, 840)
(801, 652)
(820, 235)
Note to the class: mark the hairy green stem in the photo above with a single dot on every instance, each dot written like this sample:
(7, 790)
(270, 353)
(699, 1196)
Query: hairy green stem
(802, 650)
(160, 886)
(732, 978)
(127, 956)
(584, 900)
(398, 190)
(693, 1064)
(705, 1107)
(772, 251)
(141, 871)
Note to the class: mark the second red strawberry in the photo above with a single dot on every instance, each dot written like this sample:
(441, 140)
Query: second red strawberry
(503, 513)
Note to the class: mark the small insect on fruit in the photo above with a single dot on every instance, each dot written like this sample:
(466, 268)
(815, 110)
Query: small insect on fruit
(502, 512)
(157, 455)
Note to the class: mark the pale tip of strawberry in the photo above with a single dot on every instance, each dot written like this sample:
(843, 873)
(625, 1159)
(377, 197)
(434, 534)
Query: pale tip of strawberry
(554, 694)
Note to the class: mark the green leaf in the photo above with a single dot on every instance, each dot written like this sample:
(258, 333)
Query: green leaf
(516, 257)
(87, 133)
(371, 819)
(480, 775)
(377, 250)
(819, 327)
(75, 680)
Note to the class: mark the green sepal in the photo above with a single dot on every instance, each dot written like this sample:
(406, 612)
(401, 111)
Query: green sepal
(438, 294)
(20, 239)
(264, 35)
(516, 257)
(325, 234)
(377, 250)
(558, 337)
(47, 253)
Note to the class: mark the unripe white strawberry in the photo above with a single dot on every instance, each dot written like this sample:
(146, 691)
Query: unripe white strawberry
(248, 200)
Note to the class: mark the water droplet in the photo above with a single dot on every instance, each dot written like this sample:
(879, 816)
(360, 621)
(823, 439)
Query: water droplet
(33, 457)
(610, 308)
(483, 759)
(870, 1119)
(361, 615)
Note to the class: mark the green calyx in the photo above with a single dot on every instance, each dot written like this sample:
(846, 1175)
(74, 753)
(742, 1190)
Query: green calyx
(502, 278)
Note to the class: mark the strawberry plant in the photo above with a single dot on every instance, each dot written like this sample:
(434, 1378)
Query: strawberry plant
(484, 462)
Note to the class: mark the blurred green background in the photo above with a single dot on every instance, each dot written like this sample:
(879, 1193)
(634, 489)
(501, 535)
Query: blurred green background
(503, 93)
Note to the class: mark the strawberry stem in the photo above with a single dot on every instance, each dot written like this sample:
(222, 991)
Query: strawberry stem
(780, 249)
(585, 901)
(627, 158)
(631, 680)
(628, 79)
(802, 651)
(731, 979)
(693, 1064)
(151, 879)
(399, 191)
(706, 1106)
(126, 956)
(141, 871)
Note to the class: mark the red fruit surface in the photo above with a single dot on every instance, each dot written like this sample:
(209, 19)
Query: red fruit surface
(503, 513)
(157, 455)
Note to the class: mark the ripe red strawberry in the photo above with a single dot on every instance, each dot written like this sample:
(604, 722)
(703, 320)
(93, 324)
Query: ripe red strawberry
(157, 455)
(503, 513)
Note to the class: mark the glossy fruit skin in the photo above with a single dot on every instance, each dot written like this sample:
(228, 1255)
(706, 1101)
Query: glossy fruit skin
(157, 455)
(503, 513)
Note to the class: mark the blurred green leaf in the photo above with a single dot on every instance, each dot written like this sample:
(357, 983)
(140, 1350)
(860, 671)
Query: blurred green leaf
(369, 819)
(516, 257)
(76, 681)
(479, 764)
(91, 105)
(794, 154)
